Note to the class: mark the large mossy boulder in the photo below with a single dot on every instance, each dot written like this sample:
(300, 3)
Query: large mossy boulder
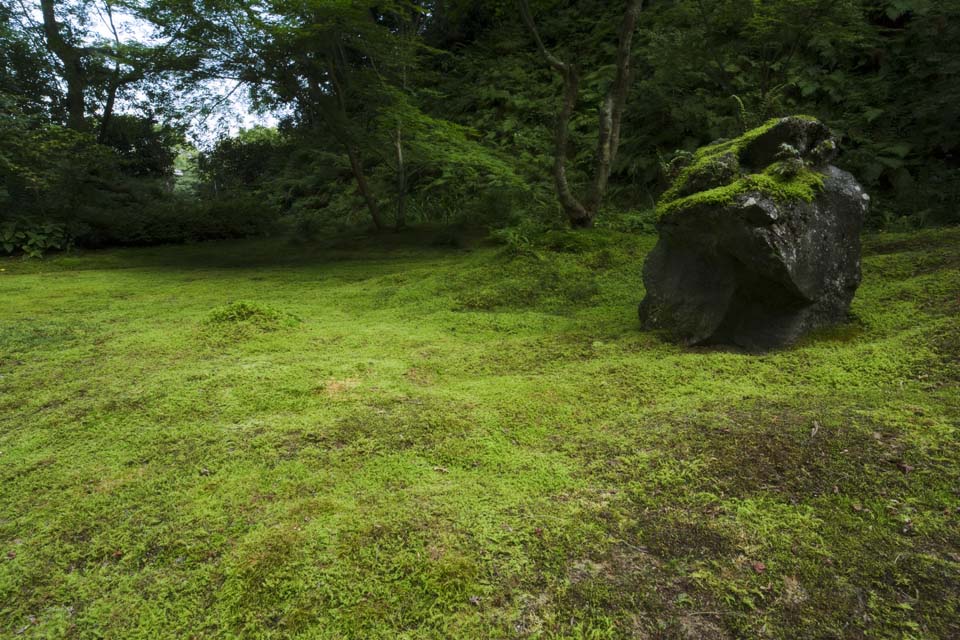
(759, 240)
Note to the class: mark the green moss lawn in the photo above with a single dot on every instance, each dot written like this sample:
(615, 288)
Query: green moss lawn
(265, 440)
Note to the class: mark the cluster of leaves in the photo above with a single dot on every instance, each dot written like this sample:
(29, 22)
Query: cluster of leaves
(33, 238)
(42, 165)
(301, 174)
(448, 109)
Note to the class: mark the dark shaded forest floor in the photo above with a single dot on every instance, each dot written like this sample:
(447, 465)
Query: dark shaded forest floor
(256, 439)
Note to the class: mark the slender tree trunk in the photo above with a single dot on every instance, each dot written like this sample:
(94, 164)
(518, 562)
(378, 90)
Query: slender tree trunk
(611, 113)
(583, 214)
(577, 213)
(401, 220)
(405, 29)
(115, 81)
(356, 165)
(109, 105)
(71, 58)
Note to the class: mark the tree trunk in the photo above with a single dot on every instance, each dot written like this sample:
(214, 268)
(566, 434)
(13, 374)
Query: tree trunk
(401, 220)
(115, 81)
(108, 106)
(577, 214)
(72, 60)
(582, 214)
(357, 166)
(76, 107)
(611, 112)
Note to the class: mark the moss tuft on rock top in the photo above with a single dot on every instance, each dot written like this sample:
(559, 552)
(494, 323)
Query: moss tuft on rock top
(720, 172)
(804, 185)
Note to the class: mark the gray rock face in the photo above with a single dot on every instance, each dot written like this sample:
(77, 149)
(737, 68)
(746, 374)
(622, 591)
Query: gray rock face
(756, 271)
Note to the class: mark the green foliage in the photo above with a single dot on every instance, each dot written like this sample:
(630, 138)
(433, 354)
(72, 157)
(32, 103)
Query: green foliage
(181, 219)
(520, 239)
(26, 80)
(448, 153)
(144, 148)
(709, 70)
(241, 163)
(447, 110)
(32, 238)
(48, 171)
(65, 188)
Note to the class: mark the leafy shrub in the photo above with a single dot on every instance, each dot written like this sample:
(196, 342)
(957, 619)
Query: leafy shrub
(516, 240)
(33, 238)
(143, 147)
(236, 217)
(576, 242)
(498, 207)
(49, 172)
(456, 236)
(241, 162)
(68, 188)
(174, 220)
(520, 239)
(305, 225)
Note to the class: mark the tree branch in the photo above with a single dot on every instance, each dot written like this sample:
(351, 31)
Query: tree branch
(527, 16)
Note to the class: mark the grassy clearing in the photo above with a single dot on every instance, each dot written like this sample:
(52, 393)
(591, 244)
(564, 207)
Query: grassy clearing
(264, 441)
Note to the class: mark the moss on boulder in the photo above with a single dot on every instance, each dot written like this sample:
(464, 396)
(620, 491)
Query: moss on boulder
(782, 159)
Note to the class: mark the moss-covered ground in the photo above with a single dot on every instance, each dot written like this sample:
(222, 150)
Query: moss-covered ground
(260, 440)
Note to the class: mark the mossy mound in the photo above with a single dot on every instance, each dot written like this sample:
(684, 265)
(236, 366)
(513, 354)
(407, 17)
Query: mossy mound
(781, 159)
(241, 320)
(251, 313)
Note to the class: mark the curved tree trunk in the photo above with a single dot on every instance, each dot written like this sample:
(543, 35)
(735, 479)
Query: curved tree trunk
(577, 213)
(356, 165)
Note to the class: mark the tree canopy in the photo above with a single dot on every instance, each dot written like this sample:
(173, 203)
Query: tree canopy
(488, 114)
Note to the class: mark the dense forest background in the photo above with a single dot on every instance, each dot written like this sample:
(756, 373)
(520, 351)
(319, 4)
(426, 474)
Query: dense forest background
(442, 112)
